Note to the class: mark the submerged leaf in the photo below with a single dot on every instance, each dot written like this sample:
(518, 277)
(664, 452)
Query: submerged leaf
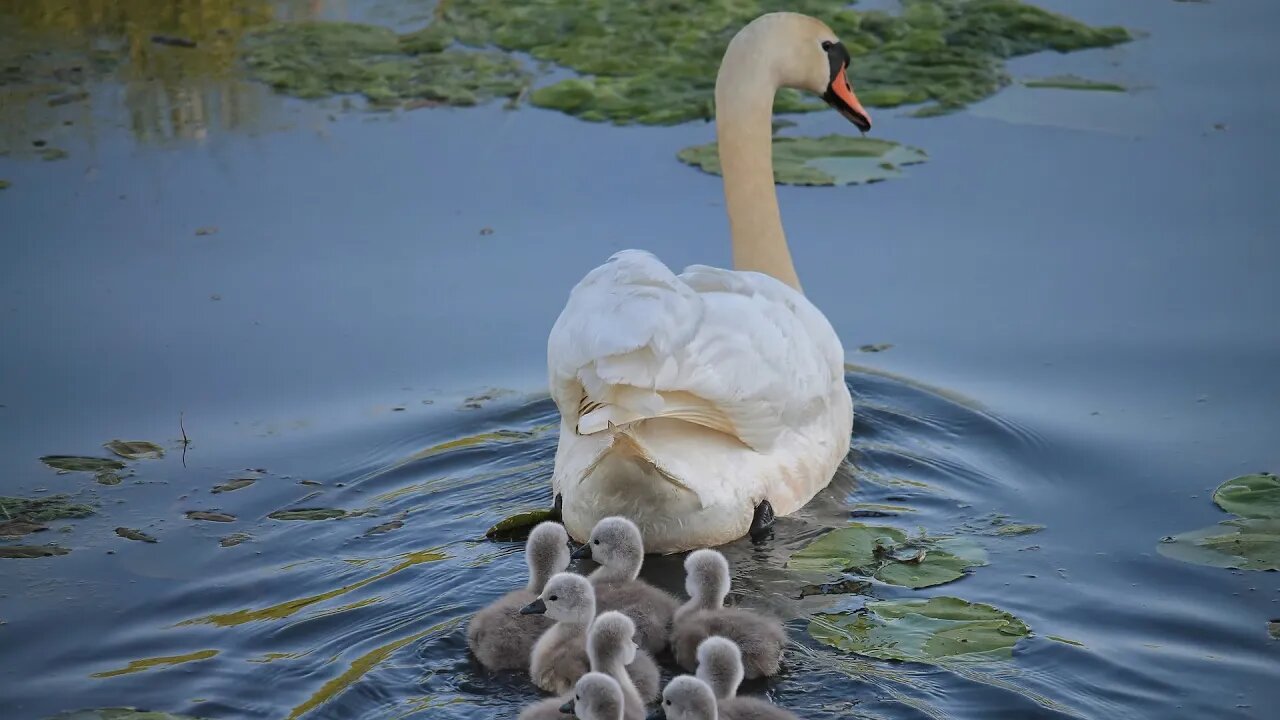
(232, 485)
(135, 449)
(18, 528)
(209, 516)
(1244, 543)
(308, 514)
(519, 525)
(842, 587)
(1073, 82)
(107, 477)
(1018, 529)
(935, 631)
(131, 534)
(1251, 496)
(828, 160)
(234, 539)
(31, 551)
(76, 463)
(887, 554)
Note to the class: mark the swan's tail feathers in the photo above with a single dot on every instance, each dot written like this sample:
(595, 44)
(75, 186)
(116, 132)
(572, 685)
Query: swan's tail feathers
(630, 404)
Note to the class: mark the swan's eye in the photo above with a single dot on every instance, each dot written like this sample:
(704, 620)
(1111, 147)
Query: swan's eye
(826, 44)
(553, 598)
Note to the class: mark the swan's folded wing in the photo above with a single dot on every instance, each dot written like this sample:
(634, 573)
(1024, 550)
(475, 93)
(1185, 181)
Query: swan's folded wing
(738, 352)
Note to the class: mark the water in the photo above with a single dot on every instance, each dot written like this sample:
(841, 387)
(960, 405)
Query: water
(1080, 292)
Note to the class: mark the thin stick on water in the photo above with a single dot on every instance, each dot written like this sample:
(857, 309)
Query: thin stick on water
(185, 440)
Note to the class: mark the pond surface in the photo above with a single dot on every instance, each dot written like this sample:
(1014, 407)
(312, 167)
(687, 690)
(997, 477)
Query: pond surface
(1080, 290)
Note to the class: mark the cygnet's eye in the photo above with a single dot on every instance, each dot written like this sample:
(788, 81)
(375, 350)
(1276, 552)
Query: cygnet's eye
(826, 44)
(668, 703)
(553, 598)
(595, 542)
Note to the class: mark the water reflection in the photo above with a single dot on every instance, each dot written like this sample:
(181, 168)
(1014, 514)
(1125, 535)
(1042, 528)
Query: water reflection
(166, 68)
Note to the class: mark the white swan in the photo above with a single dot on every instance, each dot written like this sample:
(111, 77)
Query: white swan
(700, 404)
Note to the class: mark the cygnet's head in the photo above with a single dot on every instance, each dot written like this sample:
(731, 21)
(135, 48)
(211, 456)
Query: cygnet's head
(706, 577)
(566, 598)
(615, 543)
(596, 697)
(686, 698)
(720, 665)
(612, 639)
(546, 553)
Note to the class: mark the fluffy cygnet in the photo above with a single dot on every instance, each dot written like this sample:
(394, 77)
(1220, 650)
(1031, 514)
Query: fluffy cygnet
(612, 648)
(596, 696)
(761, 638)
(499, 635)
(616, 544)
(720, 667)
(686, 698)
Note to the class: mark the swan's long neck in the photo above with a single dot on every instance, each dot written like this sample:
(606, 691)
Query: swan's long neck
(745, 88)
(613, 666)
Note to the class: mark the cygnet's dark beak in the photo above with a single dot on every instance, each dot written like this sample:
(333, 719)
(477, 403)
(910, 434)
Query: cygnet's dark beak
(567, 708)
(583, 552)
(658, 714)
(537, 607)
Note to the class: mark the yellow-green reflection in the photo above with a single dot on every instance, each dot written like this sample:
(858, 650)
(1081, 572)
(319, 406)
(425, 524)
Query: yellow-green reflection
(360, 667)
(148, 663)
(52, 51)
(285, 609)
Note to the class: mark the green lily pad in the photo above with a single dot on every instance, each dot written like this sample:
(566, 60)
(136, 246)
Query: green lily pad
(233, 485)
(1251, 496)
(888, 555)
(828, 160)
(118, 713)
(209, 516)
(1244, 543)
(76, 463)
(518, 526)
(135, 449)
(935, 631)
(1273, 629)
(31, 551)
(131, 534)
(45, 509)
(1073, 82)
(1065, 641)
(308, 514)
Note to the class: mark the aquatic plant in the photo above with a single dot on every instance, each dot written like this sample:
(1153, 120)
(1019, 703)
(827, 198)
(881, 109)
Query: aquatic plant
(1249, 542)
(888, 555)
(935, 631)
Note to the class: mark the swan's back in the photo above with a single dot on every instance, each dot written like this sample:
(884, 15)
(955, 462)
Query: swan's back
(648, 607)
(749, 708)
(500, 637)
(760, 638)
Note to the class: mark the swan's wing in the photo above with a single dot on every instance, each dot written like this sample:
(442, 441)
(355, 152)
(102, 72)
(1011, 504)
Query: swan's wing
(738, 352)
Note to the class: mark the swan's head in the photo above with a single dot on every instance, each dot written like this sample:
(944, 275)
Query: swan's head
(615, 543)
(802, 53)
(686, 698)
(596, 697)
(612, 637)
(566, 598)
(706, 577)
(546, 553)
(720, 665)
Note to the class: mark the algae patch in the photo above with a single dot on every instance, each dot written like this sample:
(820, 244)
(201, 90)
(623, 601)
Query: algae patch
(76, 463)
(132, 534)
(13, 552)
(42, 510)
(827, 160)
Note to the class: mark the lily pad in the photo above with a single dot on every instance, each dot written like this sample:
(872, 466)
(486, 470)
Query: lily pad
(519, 525)
(107, 477)
(1251, 496)
(827, 160)
(76, 463)
(935, 631)
(385, 527)
(1244, 543)
(233, 485)
(18, 528)
(117, 713)
(131, 534)
(1273, 629)
(1018, 529)
(308, 514)
(888, 555)
(1073, 82)
(209, 516)
(45, 509)
(135, 449)
(31, 551)
(235, 539)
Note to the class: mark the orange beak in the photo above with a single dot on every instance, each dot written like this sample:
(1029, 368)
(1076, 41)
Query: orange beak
(840, 95)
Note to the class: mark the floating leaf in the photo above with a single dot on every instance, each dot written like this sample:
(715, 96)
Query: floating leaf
(117, 713)
(1018, 529)
(209, 516)
(234, 539)
(308, 514)
(107, 477)
(135, 449)
(18, 528)
(887, 554)
(131, 534)
(519, 525)
(75, 463)
(1056, 638)
(935, 631)
(232, 485)
(1245, 543)
(31, 551)
(1273, 629)
(385, 527)
(828, 160)
(1251, 496)
(1073, 82)
(877, 510)
(45, 509)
